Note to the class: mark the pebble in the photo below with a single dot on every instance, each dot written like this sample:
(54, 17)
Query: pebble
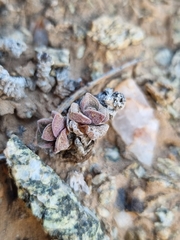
(98, 179)
(123, 219)
(163, 57)
(80, 52)
(121, 198)
(107, 193)
(96, 169)
(112, 154)
(163, 233)
(103, 212)
(165, 216)
(140, 172)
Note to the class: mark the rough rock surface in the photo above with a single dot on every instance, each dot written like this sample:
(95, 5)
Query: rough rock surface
(136, 123)
(49, 197)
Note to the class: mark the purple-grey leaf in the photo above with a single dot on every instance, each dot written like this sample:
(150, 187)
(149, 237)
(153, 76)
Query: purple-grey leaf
(42, 143)
(95, 132)
(76, 115)
(47, 134)
(95, 116)
(89, 101)
(58, 124)
(42, 123)
(62, 142)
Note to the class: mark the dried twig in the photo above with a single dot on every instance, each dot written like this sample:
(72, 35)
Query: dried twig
(102, 80)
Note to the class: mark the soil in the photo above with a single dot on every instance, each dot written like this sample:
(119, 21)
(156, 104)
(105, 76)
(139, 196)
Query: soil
(59, 19)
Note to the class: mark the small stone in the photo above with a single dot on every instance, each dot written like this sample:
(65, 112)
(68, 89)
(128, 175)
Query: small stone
(103, 212)
(164, 57)
(80, 52)
(107, 192)
(163, 233)
(140, 172)
(96, 169)
(121, 198)
(165, 216)
(98, 179)
(123, 219)
(112, 154)
(136, 205)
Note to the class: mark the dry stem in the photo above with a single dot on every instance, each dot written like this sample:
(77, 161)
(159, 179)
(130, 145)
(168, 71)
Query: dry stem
(102, 80)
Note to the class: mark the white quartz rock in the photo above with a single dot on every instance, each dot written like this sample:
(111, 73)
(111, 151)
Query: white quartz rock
(136, 123)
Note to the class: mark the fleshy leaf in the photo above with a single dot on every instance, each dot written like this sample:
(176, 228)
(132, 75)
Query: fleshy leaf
(104, 111)
(89, 101)
(42, 123)
(76, 115)
(62, 142)
(58, 124)
(42, 143)
(95, 116)
(47, 134)
(95, 132)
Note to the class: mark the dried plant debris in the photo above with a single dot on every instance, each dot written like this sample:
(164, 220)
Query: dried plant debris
(163, 90)
(45, 82)
(50, 199)
(115, 33)
(65, 86)
(79, 129)
(13, 47)
(165, 84)
(12, 87)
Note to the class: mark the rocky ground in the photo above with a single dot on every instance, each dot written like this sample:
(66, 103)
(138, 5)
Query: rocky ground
(131, 179)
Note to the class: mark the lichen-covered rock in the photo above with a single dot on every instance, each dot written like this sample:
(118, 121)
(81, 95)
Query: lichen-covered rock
(65, 86)
(49, 197)
(15, 48)
(12, 87)
(60, 57)
(115, 33)
(44, 81)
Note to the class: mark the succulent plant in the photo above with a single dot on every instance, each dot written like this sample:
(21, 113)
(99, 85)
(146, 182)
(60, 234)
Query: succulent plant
(84, 124)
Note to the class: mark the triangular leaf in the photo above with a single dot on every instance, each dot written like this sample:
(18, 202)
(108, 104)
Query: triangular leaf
(62, 142)
(58, 124)
(42, 143)
(89, 101)
(76, 115)
(47, 134)
(95, 116)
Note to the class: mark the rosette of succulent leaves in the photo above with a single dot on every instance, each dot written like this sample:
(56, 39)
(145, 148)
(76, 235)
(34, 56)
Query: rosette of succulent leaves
(84, 123)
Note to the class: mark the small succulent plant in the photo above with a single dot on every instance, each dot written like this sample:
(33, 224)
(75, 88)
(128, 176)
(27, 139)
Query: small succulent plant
(85, 122)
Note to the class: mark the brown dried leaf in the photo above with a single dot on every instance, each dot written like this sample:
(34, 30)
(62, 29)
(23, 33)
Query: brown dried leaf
(76, 115)
(47, 134)
(58, 124)
(62, 142)
(95, 132)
